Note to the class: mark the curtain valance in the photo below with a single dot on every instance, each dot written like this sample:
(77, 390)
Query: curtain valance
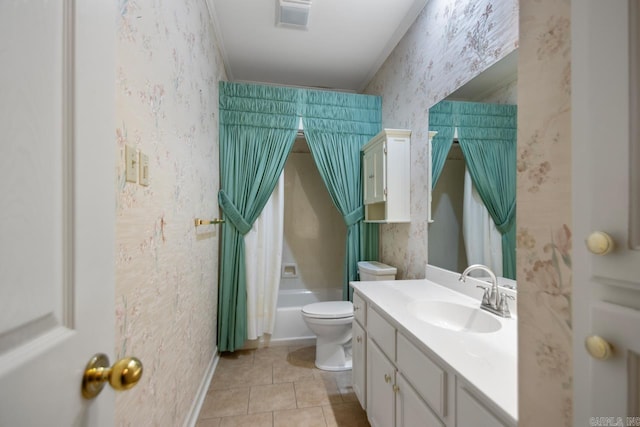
(258, 124)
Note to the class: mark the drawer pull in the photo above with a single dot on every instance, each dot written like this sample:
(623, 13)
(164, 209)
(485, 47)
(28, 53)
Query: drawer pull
(387, 378)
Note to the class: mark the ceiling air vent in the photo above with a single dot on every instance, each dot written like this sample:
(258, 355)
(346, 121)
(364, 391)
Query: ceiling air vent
(293, 13)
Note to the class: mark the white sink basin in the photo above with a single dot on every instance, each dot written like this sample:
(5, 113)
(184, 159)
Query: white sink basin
(455, 317)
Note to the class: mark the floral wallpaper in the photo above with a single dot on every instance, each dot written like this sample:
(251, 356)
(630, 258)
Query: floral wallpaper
(544, 238)
(168, 69)
(450, 43)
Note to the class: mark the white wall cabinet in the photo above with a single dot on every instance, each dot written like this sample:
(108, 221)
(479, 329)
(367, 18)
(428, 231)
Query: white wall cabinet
(406, 385)
(386, 176)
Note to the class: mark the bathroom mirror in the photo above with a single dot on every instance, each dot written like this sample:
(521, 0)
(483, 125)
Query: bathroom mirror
(447, 247)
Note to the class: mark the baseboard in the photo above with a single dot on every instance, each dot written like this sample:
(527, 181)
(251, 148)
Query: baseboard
(280, 342)
(202, 391)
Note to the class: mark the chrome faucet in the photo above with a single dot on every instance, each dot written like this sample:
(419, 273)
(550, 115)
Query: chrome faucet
(492, 300)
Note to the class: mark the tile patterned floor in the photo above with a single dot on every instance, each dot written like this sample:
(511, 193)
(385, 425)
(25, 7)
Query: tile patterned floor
(279, 387)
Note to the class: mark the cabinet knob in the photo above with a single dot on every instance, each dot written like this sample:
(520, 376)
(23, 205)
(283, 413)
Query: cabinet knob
(599, 243)
(356, 307)
(359, 338)
(598, 347)
(387, 378)
(396, 388)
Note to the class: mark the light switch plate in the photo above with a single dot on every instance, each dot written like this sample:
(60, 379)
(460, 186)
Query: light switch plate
(143, 160)
(131, 164)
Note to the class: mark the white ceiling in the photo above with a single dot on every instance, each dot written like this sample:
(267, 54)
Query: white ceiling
(345, 44)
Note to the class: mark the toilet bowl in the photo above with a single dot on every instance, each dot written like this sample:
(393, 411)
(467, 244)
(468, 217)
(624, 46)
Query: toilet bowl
(331, 322)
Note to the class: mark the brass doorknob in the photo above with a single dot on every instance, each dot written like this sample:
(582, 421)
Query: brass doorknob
(599, 243)
(123, 375)
(598, 347)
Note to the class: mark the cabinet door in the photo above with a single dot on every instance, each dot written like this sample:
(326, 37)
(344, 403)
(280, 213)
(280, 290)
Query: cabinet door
(368, 177)
(380, 395)
(470, 411)
(374, 175)
(359, 369)
(380, 172)
(411, 410)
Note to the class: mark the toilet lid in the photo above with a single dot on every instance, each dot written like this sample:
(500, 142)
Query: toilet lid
(329, 309)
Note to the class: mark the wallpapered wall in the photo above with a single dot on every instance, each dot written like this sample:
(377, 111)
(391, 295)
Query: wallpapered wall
(450, 43)
(168, 70)
(544, 213)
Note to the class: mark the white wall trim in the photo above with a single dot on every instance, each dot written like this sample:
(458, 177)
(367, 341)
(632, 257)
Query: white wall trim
(217, 34)
(192, 417)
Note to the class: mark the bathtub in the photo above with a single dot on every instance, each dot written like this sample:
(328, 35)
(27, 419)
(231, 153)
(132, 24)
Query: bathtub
(290, 327)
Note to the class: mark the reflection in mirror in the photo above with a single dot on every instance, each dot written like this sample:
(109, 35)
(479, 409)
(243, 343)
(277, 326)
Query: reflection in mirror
(462, 232)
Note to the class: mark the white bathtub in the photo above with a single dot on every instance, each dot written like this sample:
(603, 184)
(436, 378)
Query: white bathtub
(290, 327)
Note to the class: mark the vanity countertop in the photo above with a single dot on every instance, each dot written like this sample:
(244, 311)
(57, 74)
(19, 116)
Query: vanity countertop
(488, 361)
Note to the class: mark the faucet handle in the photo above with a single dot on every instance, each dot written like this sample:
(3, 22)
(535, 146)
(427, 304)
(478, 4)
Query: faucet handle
(504, 307)
(486, 295)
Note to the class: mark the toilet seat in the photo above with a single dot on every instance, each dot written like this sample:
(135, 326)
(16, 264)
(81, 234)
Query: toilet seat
(329, 310)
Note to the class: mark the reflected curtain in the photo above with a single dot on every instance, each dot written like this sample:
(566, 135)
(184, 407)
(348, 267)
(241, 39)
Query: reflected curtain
(487, 136)
(336, 126)
(258, 125)
(440, 120)
(482, 240)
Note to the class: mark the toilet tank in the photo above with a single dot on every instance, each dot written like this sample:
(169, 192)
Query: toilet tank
(374, 271)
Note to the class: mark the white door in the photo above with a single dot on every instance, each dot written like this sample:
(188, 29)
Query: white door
(606, 198)
(57, 213)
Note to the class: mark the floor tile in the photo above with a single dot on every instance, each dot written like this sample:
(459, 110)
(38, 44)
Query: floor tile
(208, 422)
(316, 392)
(345, 415)
(271, 355)
(237, 357)
(264, 419)
(222, 403)
(234, 376)
(271, 398)
(284, 372)
(302, 356)
(307, 417)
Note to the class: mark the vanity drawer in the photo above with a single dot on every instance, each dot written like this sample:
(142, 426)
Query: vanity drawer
(359, 309)
(382, 333)
(429, 380)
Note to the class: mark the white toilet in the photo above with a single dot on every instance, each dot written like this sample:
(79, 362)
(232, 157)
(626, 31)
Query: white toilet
(331, 321)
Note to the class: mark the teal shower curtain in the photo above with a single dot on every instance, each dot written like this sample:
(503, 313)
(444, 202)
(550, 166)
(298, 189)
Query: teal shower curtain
(258, 125)
(336, 126)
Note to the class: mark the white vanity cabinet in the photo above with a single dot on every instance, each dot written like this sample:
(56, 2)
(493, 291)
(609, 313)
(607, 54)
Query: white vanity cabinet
(407, 385)
(386, 176)
(393, 400)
